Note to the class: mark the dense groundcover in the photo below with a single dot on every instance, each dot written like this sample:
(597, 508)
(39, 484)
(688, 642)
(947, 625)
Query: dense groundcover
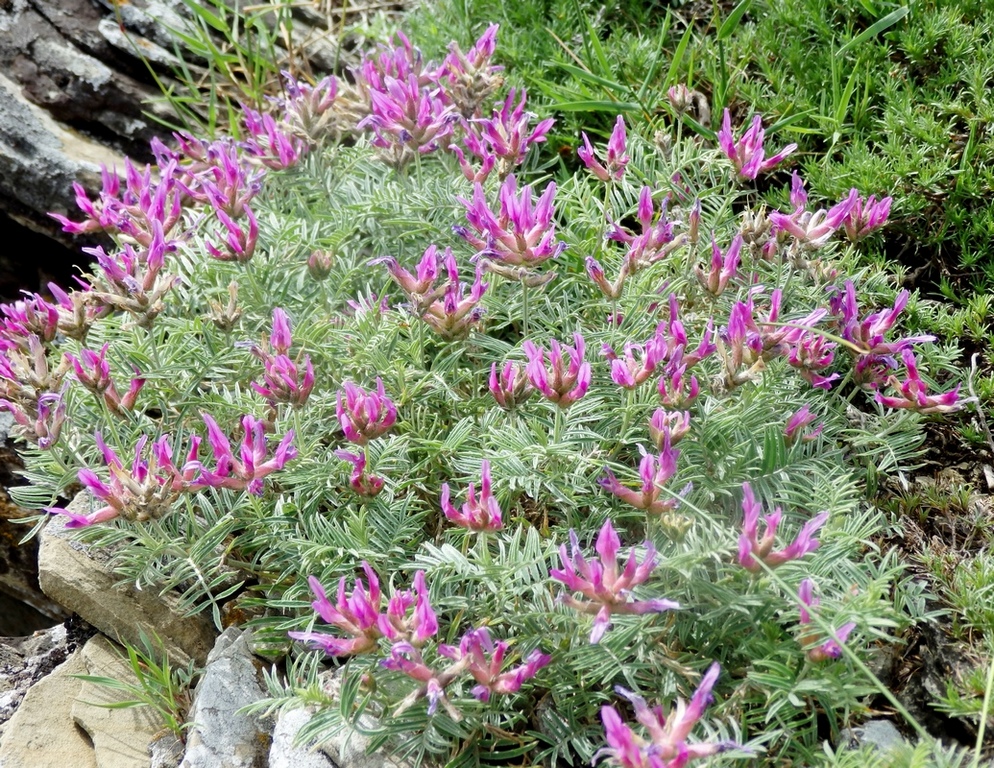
(560, 458)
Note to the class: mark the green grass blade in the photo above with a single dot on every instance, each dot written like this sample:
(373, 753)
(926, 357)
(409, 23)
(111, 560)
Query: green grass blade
(210, 18)
(590, 77)
(728, 25)
(678, 55)
(875, 29)
(657, 58)
(598, 106)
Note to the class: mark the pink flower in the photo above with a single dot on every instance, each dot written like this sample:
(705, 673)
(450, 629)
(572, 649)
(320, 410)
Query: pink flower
(522, 234)
(747, 154)
(247, 471)
(797, 423)
(667, 745)
(829, 649)
(656, 240)
(877, 356)
(365, 485)
(283, 382)
(93, 372)
(655, 471)
(145, 491)
(474, 649)
(812, 229)
(455, 314)
(477, 515)
(596, 273)
(396, 625)
(407, 659)
(616, 159)
(240, 241)
(678, 391)
(724, 267)
(502, 140)
(914, 392)
(639, 361)
(866, 216)
(511, 387)
(753, 549)
(469, 79)
(355, 615)
(668, 427)
(607, 590)
(365, 415)
(420, 289)
(564, 383)
(813, 352)
(407, 116)
(268, 143)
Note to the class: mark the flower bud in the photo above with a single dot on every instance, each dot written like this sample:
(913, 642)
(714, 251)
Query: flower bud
(319, 264)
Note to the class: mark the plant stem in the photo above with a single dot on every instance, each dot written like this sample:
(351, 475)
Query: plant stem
(985, 709)
(524, 310)
(557, 426)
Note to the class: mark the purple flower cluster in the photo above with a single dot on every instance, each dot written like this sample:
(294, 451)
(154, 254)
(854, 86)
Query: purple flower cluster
(148, 489)
(818, 651)
(93, 372)
(858, 217)
(522, 234)
(477, 514)
(747, 153)
(606, 589)
(363, 416)
(500, 141)
(408, 623)
(667, 745)
(616, 159)
(511, 387)
(568, 378)
(751, 342)
(754, 549)
(655, 472)
(283, 380)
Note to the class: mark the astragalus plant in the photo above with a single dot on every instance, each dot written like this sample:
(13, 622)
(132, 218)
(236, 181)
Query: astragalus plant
(536, 455)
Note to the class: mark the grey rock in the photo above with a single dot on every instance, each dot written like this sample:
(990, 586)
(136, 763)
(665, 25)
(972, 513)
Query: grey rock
(6, 422)
(120, 737)
(23, 662)
(220, 736)
(348, 747)
(880, 734)
(42, 734)
(81, 578)
(40, 158)
(283, 753)
(166, 751)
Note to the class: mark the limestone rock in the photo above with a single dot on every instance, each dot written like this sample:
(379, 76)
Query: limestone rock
(166, 751)
(26, 660)
(283, 753)
(81, 579)
(42, 734)
(348, 747)
(879, 734)
(120, 737)
(222, 738)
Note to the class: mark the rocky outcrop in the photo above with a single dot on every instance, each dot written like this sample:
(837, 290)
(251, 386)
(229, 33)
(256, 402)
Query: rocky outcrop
(77, 88)
(222, 736)
(82, 579)
(70, 101)
(119, 737)
(42, 733)
(24, 608)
